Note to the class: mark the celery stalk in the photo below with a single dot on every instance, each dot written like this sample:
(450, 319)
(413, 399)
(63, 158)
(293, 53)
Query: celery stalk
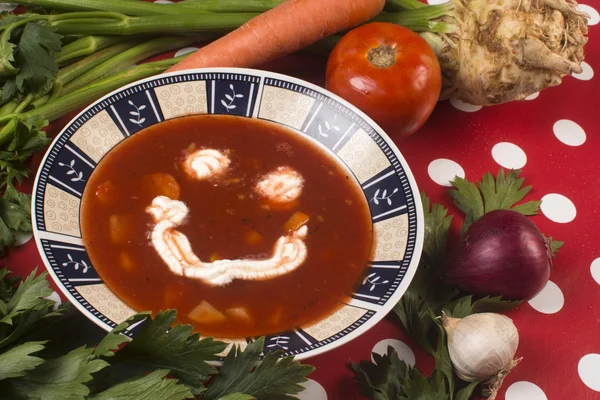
(419, 20)
(128, 7)
(399, 5)
(85, 46)
(128, 58)
(75, 70)
(96, 23)
(224, 6)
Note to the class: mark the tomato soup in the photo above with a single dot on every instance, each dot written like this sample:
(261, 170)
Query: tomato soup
(242, 225)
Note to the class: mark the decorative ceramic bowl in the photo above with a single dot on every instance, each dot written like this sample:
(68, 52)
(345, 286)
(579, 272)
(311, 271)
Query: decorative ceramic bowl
(349, 135)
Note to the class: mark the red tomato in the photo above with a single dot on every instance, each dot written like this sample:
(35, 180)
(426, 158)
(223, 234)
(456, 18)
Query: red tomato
(389, 72)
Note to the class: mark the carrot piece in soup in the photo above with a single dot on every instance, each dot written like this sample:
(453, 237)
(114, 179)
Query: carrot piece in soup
(205, 313)
(253, 238)
(107, 193)
(295, 221)
(121, 228)
(159, 184)
(171, 295)
(275, 318)
(126, 261)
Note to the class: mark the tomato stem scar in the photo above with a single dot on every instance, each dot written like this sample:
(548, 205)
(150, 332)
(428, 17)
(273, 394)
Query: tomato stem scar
(383, 56)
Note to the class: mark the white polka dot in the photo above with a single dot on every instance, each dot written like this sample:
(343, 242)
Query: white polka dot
(532, 96)
(591, 12)
(55, 298)
(524, 391)
(184, 51)
(550, 300)
(569, 132)
(509, 155)
(312, 391)
(462, 106)
(442, 171)
(434, 2)
(22, 237)
(404, 352)
(589, 371)
(586, 74)
(595, 269)
(7, 7)
(558, 208)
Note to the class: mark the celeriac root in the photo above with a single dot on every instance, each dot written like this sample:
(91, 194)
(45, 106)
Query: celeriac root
(505, 50)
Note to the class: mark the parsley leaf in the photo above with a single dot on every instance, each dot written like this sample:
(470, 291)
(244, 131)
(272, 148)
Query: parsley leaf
(381, 379)
(31, 63)
(6, 47)
(24, 137)
(421, 304)
(150, 387)
(31, 323)
(390, 378)
(16, 361)
(56, 379)
(25, 306)
(267, 381)
(15, 216)
(437, 226)
(555, 245)
(468, 199)
(29, 295)
(7, 284)
(422, 388)
(466, 392)
(114, 339)
(425, 295)
(160, 345)
(237, 396)
(490, 194)
(443, 375)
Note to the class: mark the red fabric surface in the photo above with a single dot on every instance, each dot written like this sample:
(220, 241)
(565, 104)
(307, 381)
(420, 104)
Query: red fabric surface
(551, 345)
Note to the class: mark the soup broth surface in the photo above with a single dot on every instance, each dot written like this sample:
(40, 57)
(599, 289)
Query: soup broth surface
(228, 218)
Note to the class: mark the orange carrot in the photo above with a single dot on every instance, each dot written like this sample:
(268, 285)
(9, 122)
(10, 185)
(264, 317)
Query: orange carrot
(284, 29)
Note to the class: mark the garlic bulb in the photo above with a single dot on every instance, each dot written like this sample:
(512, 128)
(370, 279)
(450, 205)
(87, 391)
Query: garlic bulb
(481, 346)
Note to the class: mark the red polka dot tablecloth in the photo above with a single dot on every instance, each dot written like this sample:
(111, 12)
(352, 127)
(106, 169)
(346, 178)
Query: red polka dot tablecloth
(554, 137)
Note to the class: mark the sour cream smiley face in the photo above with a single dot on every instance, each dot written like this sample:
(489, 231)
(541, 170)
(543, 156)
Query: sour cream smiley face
(280, 187)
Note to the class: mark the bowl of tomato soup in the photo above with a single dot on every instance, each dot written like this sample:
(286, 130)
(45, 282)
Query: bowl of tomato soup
(253, 203)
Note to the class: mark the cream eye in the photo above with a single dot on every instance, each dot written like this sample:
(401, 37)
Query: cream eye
(282, 186)
(205, 164)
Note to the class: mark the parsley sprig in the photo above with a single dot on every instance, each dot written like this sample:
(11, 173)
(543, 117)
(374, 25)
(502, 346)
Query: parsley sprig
(163, 361)
(389, 378)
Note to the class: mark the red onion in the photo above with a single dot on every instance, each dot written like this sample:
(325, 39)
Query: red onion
(501, 254)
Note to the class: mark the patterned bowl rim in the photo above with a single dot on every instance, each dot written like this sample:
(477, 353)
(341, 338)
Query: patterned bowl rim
(379, 314)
